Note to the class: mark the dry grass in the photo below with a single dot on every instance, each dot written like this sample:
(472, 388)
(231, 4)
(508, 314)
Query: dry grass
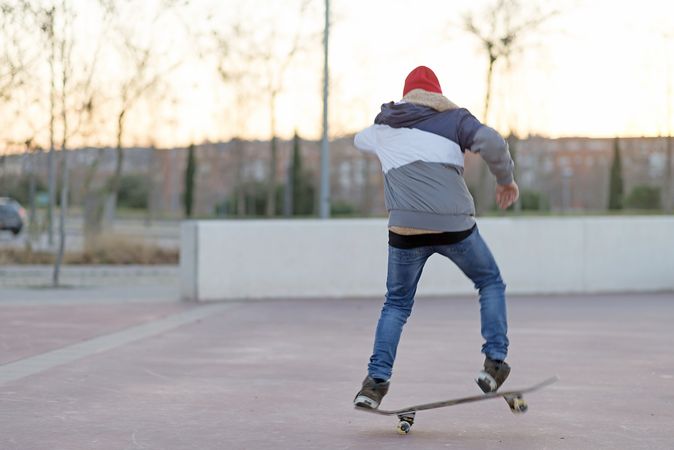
(107, 249)
(18, 256)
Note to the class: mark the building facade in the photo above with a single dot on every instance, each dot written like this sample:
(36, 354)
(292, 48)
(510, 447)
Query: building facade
(569, 173)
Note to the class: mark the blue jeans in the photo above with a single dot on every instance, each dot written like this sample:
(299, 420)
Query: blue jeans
(475, 260)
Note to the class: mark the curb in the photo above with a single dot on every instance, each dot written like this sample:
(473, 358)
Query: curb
(41, 275)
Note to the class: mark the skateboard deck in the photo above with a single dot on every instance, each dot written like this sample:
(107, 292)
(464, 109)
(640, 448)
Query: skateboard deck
(513, 397)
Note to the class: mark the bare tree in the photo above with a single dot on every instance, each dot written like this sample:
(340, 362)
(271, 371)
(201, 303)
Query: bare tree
(145, 72)
(144, 76)
(19, 54)
(501, 29)
(71, 92)
(276, 67)
(65, 53)
(17, 68)
(48, 29)
(31, 153)
(233, 60)
(239, 50)
(15, 58)
(75, 103)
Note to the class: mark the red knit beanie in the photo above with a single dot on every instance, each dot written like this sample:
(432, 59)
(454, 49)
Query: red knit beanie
(422, 78)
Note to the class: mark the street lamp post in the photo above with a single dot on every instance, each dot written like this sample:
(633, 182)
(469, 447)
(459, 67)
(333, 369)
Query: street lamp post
(668, 185)
(325, 146)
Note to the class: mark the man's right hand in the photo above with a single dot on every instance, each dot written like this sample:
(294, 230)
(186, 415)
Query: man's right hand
(506, 194)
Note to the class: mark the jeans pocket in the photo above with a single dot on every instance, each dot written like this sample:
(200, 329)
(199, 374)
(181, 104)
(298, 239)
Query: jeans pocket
(405, 255)
(460, 248)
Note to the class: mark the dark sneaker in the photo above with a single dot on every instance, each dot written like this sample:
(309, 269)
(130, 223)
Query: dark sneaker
(493, 375)
(371, 393)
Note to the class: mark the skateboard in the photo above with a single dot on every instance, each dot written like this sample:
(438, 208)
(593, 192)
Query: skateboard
(514, 398)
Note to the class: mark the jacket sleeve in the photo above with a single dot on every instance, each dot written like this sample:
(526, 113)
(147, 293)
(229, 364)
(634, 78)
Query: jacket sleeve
(366, 140)
(494, 150)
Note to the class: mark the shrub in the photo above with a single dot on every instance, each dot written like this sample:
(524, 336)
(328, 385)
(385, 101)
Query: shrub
(133, 191)
(533, 201)
(341, 208)
(18, 187)
(644, 197)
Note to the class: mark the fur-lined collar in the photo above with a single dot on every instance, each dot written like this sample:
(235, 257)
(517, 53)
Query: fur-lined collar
(436, 101)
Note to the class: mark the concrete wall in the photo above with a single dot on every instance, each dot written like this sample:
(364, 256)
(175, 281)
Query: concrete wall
(347, 258)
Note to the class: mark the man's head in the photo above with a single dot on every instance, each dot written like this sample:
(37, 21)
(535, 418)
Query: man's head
(422, 78)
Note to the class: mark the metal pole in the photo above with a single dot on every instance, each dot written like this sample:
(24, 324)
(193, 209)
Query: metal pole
(325, 148)
(62, 218)
(668, 196)
(51, 163)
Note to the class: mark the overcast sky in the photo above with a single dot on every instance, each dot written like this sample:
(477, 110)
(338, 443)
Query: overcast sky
(598, 68)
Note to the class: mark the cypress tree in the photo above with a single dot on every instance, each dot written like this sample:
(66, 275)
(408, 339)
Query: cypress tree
(190, 172)
(615, 199)
(296, 177)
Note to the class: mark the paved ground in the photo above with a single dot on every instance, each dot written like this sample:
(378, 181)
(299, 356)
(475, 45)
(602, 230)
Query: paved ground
(95, 369)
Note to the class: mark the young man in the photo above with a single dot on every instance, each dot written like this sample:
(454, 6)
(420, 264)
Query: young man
(420, 142)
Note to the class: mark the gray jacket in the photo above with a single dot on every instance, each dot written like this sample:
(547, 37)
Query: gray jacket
(421, 151)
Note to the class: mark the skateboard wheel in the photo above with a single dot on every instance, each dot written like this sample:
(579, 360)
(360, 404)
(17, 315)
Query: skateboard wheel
(403, 427)
(519, 406)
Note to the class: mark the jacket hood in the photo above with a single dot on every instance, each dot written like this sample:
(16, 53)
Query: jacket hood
(416, 106)
(402, 114)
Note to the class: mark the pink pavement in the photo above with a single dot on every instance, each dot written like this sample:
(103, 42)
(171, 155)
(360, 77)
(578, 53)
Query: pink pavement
(281, 374)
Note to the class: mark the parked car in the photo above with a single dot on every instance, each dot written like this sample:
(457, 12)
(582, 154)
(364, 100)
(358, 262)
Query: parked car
(12, 215)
